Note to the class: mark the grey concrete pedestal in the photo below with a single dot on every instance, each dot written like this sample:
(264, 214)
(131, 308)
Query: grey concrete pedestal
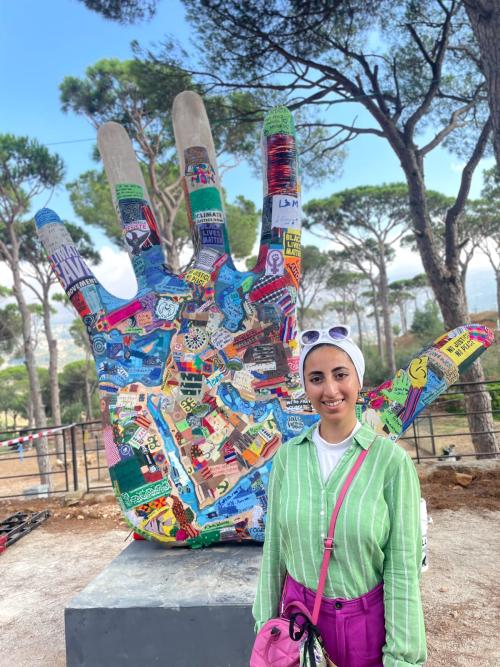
(175, 608)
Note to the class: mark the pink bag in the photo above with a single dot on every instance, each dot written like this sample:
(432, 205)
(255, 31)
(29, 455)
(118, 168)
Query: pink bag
(278, 643)
(274, 644)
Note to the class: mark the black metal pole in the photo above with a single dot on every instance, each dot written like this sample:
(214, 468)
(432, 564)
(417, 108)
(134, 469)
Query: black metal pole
(75, 461)
(431, 428)
(84, 433)
(65, 460)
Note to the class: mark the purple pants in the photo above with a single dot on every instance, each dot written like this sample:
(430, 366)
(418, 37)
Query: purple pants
(353, 631)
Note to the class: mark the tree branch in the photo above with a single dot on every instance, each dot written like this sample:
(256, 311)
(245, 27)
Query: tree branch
(451, 256)
(436, 68)
(452, 125)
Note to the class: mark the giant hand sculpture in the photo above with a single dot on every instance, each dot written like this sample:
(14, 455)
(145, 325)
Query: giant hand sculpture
(198, 372)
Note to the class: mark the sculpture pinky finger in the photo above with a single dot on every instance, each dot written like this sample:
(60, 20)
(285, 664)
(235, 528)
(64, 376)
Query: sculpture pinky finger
(394, 405)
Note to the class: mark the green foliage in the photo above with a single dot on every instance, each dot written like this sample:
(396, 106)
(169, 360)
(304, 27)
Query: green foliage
(344, 279)
(366, 208)
(139, 94)
(72, 388)
(491, 363)
(26, 169)
(427, 324)
(494, 391)
(406, 353)
(10, 329)
(123, 11)
(79, 334)
(313, 261)
(71, 381)
(90, 197)
(14, 389)
(453, 403)
(73, 413)
(123, 90)
(366, 221)
(375, 371)
(242, 222)
(24, 161)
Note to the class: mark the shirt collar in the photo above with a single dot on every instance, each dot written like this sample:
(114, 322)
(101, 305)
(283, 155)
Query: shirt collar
(364, 436)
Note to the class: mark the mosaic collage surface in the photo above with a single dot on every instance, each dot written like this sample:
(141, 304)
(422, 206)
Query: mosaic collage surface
(198, 372)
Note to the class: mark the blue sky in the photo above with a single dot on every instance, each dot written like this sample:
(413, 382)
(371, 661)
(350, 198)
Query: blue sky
(41, 42)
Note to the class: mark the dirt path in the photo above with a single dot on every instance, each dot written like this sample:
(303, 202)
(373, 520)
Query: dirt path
(45, 569)
(38, 576)
(461, 592)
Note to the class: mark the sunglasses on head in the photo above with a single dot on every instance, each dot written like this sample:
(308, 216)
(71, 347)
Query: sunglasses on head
(337, 332)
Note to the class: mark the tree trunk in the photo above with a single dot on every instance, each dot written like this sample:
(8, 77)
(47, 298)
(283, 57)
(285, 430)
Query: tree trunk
(478, 400)
(402, 315)
(360, 328)
(449, 293)
(88, 393)
(485, 21)
(497, 276)
(30, 412)
(386, 314)
(29, 356)
(377, 324)
(55, 403)
(165, 215)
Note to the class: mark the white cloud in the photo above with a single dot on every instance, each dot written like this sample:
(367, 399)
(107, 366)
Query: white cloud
(115, 272)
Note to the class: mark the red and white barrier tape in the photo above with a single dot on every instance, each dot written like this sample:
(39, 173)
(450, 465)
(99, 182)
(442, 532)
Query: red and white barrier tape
(31, 436)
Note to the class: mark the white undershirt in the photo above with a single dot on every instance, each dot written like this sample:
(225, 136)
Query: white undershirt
(329, 453)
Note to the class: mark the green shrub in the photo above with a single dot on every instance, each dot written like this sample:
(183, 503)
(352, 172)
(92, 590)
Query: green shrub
(494, 392)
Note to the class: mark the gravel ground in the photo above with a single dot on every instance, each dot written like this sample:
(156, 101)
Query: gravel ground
(460, 591)
(45, 569)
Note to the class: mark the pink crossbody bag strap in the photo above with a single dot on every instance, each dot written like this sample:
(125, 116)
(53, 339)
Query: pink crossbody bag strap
(329, 544)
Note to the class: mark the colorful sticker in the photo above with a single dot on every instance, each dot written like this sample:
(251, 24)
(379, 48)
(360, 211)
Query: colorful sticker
(129, 191)
(278, 121)
(198, 277)
(69, 266)
(206, 199)
(292, 246)
(275, 265)
(460, 348)
(195, 155)
(286, 212)
(417, 372)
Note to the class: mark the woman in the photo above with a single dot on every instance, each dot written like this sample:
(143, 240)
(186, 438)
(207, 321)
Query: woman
(371, 613)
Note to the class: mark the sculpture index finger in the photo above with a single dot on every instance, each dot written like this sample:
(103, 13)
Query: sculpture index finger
(202, 189)
(132, 204)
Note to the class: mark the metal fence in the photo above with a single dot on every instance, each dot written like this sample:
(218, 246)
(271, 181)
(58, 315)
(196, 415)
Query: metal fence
(77, 459)
(442, 431)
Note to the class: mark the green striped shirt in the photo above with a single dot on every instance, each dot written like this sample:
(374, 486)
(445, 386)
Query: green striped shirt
(377, 536)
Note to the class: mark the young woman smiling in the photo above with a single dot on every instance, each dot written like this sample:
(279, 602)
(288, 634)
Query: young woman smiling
(371, 611)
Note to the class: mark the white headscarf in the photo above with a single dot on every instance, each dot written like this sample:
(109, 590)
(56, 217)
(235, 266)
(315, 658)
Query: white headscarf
(346, 344)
